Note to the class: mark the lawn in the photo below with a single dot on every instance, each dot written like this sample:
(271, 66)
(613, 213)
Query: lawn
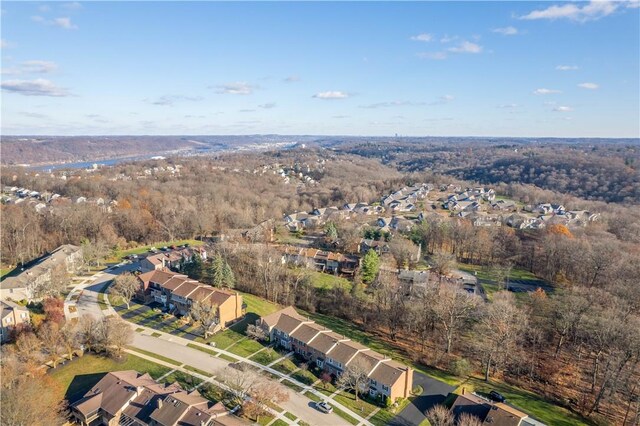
(532, 404)
(360, 407)
(327, 281)
(200, 348)
(225, 338)
(304, 376)
(245, 348)
(258, 305)
(156, 356)
(292, 385)
(265, 357)
(198, 371)
(5, 271)
(79, 375)
(286, 366)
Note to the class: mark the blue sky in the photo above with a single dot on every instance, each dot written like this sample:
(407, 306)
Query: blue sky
(430, 68)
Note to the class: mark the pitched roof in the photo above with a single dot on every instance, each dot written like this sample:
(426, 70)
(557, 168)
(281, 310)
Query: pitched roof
(343, 352)
(325, 341)
(306, 332)
(388, 372)
(470, 404)
(159, 277)
(504, 415)
(272, 319)
(186, 288)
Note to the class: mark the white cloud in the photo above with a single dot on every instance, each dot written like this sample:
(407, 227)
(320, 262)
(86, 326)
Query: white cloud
(292, 79)
(466, 47)
(633, 4)
(37, 87)
(567, 67)
(4, 44)
(268, 105)
(506, 31)
(392, 104)
(422, 37)
(448, 39)
(65, 23)
(44, 8)
(72, 6)
(447, 98)
(545, 91)
(508, 106)
(62, 22)
(438, 56)
(563, 109)
(170, 100)
(590, 86)
(41, 67)
(236, 88)
(332, 94)
(592, 11)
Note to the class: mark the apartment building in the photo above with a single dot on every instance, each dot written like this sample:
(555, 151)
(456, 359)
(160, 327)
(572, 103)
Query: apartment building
(11, 316)
(178, 292)
(334, 353)
(133, 399)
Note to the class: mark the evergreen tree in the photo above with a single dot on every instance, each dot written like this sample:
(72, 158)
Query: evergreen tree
(370, 266)
(217, 268)
(331, 231)
(229, 277)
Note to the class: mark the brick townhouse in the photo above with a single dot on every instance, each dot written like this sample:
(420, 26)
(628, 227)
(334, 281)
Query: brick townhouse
(334, 353)
(178, 292)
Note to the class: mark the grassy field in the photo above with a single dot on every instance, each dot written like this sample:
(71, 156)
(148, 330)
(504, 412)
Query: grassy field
(187, 381)
(285, 366)
(246, 347)
(4, 271)
(119, 254)
(265, 357)
(532, 404)
(154, 355)
(328, 281)
(79, 375)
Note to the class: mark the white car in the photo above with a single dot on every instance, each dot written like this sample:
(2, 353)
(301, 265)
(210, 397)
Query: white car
(324, 407)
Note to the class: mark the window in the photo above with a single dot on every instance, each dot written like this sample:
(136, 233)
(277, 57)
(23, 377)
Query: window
(386, 388)
(9, 320)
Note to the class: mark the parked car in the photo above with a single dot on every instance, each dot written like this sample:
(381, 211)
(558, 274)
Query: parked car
(324, 407)
(165, 248)
(497, 397)
(153, 250)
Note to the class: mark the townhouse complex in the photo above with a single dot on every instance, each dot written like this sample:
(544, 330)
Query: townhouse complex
(178, 292)
(334, 353)
(133, 399)
(11, 316)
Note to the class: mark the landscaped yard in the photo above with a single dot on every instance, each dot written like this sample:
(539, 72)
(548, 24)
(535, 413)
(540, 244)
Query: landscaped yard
(79, 375)
(528, 402)
(266, 357)
(286, 366)
(304, 376)
(328, 281)
(246, 347)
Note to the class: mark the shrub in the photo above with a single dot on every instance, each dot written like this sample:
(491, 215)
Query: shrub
(460, 367)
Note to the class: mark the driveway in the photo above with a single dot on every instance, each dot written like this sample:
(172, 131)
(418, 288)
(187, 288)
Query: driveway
(434, 392)
(87, 303)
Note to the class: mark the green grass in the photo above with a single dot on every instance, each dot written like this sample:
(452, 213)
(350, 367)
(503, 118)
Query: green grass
(156, 356)
(227, 358)
(344, 415)
(213, 392)
(265, 357)
(290, 416)
(265, 419)
(360, 407)
(534, 405)
(384, 415)
(139, 330)
(79, 375)
(187, 381)
(5, 271)
(286, 366)
(245, 348)
(327, 281)
(197, 370)
(304, 376)
(312, 396)
(292, 385)
(200, 348)
(258, 305)
(225, 338)
(280, 422)
(156, 334)
(119, 254)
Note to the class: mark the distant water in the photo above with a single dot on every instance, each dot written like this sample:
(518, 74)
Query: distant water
(86, 164)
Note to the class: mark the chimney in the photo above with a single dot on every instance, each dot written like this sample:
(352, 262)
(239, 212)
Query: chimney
(463, 390)
(159, 403)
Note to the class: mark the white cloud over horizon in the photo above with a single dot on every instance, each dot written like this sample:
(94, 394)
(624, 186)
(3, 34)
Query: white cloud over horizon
(37, 87)
(331, 94)
(544, 91)
(590, 86)
(567, 67)
(235, 88)
(424, 37)
(506, 31)
(466, 47)
(591, 11)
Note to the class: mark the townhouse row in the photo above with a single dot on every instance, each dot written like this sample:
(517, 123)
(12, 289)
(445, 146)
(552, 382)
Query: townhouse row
(334, 353)
(178, 292)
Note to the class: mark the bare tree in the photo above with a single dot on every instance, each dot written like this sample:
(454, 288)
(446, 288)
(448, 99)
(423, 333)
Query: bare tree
(442, 263)
(500, 331)
(467, 419)
(256, 332)
(89, 333)
(117, 334)
(69, 337)
(204, 315)
(125, 286)
(439, 415)
(454, 309)
(354, 377)
(49, 334)
(28, 347)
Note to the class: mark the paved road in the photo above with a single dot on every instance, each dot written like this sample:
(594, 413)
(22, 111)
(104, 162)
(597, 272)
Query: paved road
(434, 392)
(87, 303)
